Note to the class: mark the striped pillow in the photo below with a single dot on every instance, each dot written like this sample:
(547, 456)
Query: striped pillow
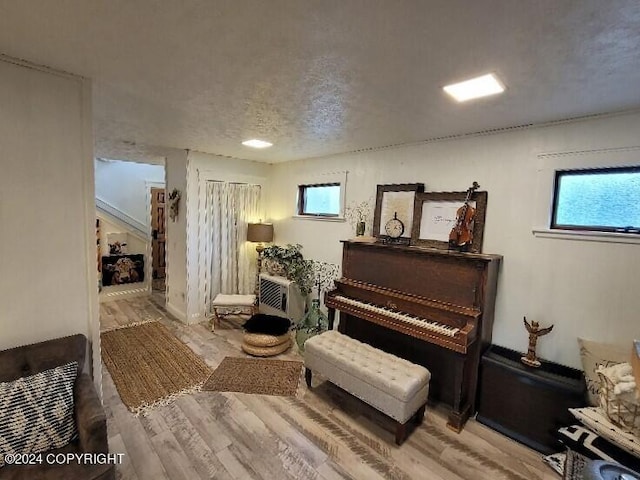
(36, 412)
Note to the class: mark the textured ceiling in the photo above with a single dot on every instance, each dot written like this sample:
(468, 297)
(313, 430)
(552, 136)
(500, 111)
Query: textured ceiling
(318, 77)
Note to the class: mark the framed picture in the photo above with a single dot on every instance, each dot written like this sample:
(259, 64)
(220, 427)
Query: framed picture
(435, 216)
(395, 202)
(119, 269)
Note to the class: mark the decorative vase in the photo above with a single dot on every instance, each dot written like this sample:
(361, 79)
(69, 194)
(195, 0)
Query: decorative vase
(360, 226)
(313, 323)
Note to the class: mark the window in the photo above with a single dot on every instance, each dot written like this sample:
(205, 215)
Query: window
(604, 199)
(319, 200)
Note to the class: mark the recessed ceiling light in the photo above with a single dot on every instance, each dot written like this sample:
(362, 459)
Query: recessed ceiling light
(475, 88)
(254, 143)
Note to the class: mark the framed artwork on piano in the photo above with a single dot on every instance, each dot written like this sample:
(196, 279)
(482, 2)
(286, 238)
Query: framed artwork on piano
(394, 215)
(434, 215)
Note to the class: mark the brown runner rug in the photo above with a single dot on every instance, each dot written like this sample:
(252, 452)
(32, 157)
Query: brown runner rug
(253, 375)
(150, 366)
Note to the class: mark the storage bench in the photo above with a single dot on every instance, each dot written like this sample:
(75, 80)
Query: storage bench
(392, 385)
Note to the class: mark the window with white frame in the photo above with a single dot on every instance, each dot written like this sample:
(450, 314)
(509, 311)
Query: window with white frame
(598, 199)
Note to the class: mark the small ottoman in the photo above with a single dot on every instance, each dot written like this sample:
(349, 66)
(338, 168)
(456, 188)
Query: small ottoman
(266, 335)
(223, 304)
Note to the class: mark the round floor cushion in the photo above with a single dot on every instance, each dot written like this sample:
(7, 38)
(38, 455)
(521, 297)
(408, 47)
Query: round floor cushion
(264, 345)
(266, 351)
(265, 340)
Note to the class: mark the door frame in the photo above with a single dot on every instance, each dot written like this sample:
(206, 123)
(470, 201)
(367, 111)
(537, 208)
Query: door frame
(149, 266)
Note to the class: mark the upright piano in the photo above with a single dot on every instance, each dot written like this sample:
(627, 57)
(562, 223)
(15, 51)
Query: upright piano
(431, 307)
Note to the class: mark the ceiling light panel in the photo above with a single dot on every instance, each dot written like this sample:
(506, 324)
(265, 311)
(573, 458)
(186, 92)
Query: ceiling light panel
(255, 143)
(482, 86)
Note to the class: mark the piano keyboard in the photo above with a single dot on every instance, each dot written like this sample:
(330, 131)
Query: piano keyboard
(437, 327)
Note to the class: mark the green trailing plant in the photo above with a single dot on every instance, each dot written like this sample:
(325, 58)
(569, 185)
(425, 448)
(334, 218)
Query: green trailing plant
(294, 265)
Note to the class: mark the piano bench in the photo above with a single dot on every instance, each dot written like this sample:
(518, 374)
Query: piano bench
(392, 385)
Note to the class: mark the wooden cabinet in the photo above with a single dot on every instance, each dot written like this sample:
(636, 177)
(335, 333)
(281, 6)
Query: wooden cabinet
(527, 404)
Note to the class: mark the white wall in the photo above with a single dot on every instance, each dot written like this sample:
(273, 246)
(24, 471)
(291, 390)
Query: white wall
(585, 289)
(48, 283)
(176, 246)
(203, 167)
(123, 185)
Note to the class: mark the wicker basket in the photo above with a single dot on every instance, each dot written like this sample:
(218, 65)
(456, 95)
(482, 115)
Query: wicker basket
(624, 414)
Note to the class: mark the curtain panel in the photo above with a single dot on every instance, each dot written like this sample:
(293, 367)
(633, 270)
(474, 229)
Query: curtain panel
(230, 259)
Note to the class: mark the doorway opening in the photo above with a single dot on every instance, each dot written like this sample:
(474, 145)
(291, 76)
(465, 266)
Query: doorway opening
(158, 239)
(130, 227)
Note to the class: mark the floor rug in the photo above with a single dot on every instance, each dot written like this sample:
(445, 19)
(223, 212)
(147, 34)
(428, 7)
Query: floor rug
(150, 366)
(556, 461)
(253, 375)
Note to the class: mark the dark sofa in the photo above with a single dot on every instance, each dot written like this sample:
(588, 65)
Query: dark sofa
(89, 415)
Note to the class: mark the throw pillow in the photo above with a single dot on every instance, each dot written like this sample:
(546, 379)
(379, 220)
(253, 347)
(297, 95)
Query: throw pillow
(36, 412)
(269, 324)
(594, 354)
(596, 420)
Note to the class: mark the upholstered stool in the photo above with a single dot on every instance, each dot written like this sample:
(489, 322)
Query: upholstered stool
(394, 386)
(225, 304)
(266, 335)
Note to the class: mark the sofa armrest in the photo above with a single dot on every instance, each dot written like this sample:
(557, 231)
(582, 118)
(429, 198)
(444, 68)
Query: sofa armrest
(90, 417)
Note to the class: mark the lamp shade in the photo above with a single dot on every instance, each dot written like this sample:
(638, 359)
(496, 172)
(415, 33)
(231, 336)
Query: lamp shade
(260, 232)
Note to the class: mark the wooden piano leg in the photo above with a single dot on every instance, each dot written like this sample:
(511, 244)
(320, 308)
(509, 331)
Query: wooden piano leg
(466, 377)
(331, 315)
(460, 409)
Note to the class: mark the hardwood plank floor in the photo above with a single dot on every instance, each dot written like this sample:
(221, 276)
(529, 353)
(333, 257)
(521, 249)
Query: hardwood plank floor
(320, 434)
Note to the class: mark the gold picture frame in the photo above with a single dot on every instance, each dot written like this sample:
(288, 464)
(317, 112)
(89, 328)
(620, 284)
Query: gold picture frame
(395, 199)
(435, 216)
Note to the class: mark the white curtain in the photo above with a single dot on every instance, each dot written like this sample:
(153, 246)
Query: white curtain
(230, 258)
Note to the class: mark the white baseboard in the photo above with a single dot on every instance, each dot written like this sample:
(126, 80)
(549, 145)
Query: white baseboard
(117, 291)
(179, 314)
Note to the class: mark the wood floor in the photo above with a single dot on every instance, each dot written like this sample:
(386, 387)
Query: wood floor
(322, 434)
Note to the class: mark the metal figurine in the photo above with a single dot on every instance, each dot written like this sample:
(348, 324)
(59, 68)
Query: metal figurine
(534, 332)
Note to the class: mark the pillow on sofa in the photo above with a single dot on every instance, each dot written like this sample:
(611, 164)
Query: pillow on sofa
(594, 354)
(36, 412)
(269, 324)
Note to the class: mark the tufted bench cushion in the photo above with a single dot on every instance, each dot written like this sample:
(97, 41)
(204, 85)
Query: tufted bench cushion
(395, 386)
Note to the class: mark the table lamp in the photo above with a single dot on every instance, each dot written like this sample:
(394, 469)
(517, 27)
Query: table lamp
(260, 233)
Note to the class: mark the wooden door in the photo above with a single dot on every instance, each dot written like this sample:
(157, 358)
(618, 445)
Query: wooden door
(158, 232)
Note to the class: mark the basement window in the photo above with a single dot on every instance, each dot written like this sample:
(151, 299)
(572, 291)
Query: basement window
(597, 200)
(319, 200)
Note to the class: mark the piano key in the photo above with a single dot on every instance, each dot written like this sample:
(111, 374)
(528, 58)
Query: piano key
(403, 317)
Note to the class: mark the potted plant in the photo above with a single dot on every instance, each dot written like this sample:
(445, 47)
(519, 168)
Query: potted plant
(315, 320)
(357, 214)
